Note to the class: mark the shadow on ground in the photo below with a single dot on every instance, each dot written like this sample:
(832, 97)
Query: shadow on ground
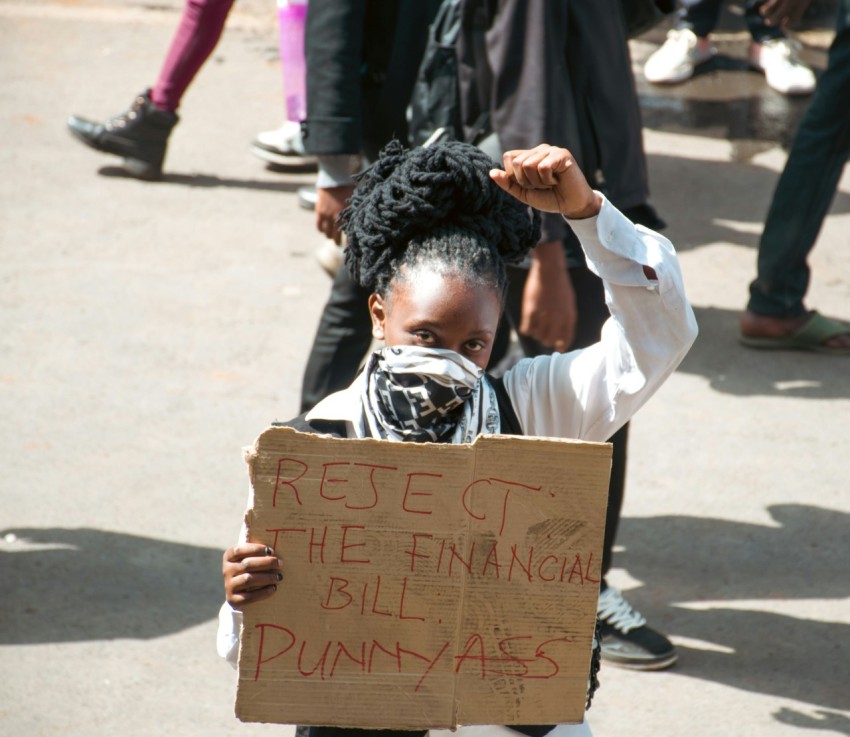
(830, 721)
(734, 369)
(759, 114)
(70, 585)
(206, 180)
(804, 556)
(726, 201)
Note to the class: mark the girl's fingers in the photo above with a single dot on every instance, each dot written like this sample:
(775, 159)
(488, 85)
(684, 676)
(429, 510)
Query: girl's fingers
(513, 161)
(251, 573)
(248, 582)
(246, 550)
(537, 168)
(542, 166)
(509, 184)
(555, 163)
(250, 587)
(238, 600)
(523, 167)
(250, 557)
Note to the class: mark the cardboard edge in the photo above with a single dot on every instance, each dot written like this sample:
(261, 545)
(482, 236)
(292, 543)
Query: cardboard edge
(250, 452)
(484, 439)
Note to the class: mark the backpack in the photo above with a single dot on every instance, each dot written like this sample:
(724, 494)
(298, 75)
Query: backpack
(435, 100)
(435, 103)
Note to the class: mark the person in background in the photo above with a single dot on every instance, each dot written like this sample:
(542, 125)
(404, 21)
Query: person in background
(362, 60)
(775, 317)
(689, 44)
(140, 134)
(283, 147)
(561, 72)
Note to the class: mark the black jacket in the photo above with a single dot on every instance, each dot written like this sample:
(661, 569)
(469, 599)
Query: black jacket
(362, 60)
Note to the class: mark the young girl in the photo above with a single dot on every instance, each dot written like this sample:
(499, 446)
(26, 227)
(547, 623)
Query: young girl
(430, 231)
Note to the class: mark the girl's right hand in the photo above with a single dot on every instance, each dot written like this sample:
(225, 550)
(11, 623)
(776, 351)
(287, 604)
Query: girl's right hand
(251, 573)
(548, 179)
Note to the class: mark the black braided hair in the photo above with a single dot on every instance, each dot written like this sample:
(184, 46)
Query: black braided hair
(436, 206)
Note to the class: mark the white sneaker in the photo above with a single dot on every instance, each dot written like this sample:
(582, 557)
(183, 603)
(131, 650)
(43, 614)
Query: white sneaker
(783, 70)
(308, 196)
(675, 60)
(330, 257)
(283, 147)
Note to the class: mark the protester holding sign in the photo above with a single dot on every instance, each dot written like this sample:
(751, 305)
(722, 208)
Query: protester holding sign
(430, 231)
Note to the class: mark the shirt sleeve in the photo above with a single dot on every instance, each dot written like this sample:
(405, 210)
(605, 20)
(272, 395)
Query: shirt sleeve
(230, 619)
(227, 637)
(335, 170)
(333, 48)
(590, 393)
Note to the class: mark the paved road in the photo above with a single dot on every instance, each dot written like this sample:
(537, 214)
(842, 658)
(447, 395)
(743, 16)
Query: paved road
(149, 331)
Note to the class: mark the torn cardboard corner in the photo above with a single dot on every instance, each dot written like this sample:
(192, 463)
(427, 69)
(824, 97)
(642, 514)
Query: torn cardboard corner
(425, 586)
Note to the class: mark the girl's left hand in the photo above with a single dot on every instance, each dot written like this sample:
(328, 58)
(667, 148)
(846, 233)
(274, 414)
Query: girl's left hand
(251, 573)
(547, 178)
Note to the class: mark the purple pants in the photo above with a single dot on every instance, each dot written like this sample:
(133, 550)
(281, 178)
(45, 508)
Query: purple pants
(197, 35)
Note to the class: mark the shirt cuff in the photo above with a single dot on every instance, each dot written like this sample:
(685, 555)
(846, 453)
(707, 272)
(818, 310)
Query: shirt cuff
(227, 637)
(616, 249)
(335, 170)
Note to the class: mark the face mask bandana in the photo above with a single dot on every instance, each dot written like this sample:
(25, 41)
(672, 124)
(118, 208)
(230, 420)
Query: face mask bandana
(427, 395)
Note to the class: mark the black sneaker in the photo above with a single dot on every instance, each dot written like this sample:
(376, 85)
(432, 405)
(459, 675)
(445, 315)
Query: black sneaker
(626, 640)
(140, 135)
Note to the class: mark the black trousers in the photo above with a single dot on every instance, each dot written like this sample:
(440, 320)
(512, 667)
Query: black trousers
(342, 340)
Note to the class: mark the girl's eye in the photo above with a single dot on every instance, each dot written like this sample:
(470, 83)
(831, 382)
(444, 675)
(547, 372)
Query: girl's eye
(424, 336)
(474, 346)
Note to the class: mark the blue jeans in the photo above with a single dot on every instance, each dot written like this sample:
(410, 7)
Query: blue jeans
(806, 187)
(702, 17)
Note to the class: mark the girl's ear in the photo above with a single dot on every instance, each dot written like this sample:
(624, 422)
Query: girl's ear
(378, 312)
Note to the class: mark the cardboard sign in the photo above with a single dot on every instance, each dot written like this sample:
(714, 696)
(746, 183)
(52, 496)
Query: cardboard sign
(425, 585)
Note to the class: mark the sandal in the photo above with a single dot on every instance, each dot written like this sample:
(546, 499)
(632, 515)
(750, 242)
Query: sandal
(811, 336)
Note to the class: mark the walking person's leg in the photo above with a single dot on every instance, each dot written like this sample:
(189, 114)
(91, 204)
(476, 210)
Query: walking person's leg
(759, 30)
(805, 190)
(140, 134)
(700, 17)
(687, 44)
(775, 54)
(342, 340)
(198, 33)
(609, 106)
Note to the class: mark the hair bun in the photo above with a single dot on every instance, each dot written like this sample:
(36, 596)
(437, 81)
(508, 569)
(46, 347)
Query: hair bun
(407, 194)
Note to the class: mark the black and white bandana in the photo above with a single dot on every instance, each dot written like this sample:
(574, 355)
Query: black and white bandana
(421, 395)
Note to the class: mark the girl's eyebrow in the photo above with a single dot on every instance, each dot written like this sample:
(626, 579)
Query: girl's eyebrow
(436, 327)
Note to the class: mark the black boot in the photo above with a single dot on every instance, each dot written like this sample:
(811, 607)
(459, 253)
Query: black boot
(140, 135)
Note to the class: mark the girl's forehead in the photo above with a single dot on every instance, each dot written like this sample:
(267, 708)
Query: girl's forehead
(423, 283)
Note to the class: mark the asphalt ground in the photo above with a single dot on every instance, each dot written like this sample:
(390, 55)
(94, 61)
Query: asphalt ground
(150, 331)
